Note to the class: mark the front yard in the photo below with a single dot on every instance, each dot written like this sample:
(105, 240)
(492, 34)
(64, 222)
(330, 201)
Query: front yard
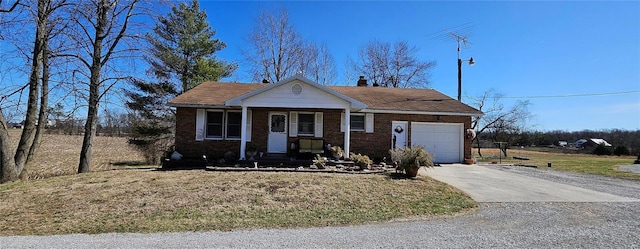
(145, 201)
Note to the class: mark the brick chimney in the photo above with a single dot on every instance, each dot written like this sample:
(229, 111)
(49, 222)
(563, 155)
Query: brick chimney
(362, 81)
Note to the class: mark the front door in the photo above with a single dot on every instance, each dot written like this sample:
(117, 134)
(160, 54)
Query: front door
(277, 139)
(398, 134)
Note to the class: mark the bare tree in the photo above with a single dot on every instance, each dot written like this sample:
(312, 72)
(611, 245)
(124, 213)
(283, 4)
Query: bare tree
(323, 70)
(13, 6)
(276, 51)
(349, 70)
(275, 47)
(503, 123)
(101, 34)
(13, 168)
(394, 65)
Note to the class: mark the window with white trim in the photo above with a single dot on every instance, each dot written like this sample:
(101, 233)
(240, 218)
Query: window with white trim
(306, 124)
(357, 122)
(215, 119)
(234, 124)
(220, 124)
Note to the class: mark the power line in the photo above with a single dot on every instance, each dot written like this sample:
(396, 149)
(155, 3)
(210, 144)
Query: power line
(569, 95)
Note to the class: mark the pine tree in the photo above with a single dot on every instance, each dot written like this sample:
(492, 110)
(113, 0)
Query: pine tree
(181, 57)
(182, 48)
(151, 120)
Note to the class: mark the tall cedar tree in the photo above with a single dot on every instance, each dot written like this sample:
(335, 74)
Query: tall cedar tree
(182, 47)
(151, 119)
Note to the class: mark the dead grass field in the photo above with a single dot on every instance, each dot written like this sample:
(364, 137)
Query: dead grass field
(59, 154)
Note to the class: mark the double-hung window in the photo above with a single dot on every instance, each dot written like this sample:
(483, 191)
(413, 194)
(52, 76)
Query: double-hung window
(306, 124)
(357, 122)
(225, 125)
(234, 124)
(215, 121)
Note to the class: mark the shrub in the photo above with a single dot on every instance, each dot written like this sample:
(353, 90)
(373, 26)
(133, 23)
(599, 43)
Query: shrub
(320, 162)
(411, 158)
(360, 160)
(601, 150)
(621, 151)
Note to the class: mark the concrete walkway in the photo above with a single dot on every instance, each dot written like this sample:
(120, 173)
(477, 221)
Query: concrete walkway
(484, 184)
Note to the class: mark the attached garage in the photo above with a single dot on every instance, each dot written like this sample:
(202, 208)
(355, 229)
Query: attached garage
(445, 141)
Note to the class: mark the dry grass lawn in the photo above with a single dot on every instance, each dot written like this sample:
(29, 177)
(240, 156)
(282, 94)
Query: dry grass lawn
(169, 201)
(119, 199)
(581, 163)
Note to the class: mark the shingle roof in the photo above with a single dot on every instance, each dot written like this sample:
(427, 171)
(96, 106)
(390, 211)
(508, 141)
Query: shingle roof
(376, 98)
(213, 93)
(405, 99)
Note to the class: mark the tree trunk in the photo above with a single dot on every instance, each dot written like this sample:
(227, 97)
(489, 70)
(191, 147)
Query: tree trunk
(44, 103)
(84, 165)
(28, 133)
(94, 88)
(8, 170)
(478, 142)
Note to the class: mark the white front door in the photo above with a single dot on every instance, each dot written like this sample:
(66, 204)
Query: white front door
(398, 134)
(277, 139)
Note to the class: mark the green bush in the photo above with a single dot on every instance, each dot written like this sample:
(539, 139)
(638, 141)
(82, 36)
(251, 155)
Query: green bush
(601, 150)
(621, 151)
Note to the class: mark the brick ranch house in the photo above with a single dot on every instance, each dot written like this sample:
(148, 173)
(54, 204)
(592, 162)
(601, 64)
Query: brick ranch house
(214, 118)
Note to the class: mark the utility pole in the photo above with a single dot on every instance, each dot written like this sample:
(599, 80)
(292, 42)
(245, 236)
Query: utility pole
(460, 39)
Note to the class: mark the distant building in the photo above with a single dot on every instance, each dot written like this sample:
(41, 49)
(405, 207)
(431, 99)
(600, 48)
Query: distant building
(591, 142)
(563, 143)
(16, 125)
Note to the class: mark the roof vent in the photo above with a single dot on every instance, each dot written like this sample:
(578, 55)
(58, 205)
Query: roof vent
(362, 81)
(296, 89)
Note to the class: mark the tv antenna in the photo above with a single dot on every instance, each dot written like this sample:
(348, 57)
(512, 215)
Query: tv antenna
(460, 35)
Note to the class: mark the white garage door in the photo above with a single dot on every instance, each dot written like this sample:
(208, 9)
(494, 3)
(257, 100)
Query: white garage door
(444, 141)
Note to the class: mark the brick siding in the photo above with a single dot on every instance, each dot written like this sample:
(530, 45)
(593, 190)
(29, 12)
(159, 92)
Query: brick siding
(376, 145)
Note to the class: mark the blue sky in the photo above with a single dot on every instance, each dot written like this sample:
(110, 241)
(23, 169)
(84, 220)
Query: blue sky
(521, 49)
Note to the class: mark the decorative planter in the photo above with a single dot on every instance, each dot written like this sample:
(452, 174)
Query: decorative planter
(411, 171)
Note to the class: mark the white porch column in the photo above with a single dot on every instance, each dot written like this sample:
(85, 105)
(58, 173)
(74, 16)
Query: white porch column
(243, 133)
(347, 131)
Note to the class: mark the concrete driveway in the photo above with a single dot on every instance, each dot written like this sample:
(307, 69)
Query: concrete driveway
(485, 184)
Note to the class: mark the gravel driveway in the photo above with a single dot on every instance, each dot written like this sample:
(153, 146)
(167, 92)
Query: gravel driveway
(493, 225)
